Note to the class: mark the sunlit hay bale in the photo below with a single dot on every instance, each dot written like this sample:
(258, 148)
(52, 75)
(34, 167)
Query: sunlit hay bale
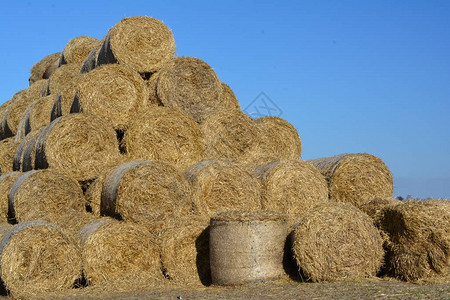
(119, 255)
(144, 192)
(63, 75)
(24, 158)
(190, 85)
(47, 195)
(334, 241)
(77, 49)
(419, 238)
(7, 150)
(291, 187)
(355, 178)
(37, 257)
(141, 43)
(6, 181)
(80, 145)
(185, 251)
(42, 69)
(229, 134)
(113, 92)
(227, 98)
(64, 99)
(246, 247)
(164, 134)
(151, 87)
(218, 185)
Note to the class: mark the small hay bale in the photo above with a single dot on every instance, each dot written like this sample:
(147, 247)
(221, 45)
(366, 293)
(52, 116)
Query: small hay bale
(43, 69)
(227, 98)
(355, 178)
(419, 238)
(6, 181)
(77, 49)
(218, 185)
(80, 145)
(185, 251)
(35, 116)
(229, 134)
(190, 85)
(7, 150)
(38, 257)
(164, 134)
(119, 255)
(246, 247)
(50, 196)
(333, 241)
(291, 187)
(64, 99)
(61, 77)
(144, 44)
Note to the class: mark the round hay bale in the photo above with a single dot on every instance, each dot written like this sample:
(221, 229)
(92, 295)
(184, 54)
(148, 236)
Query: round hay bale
(63, 75)
(374, 208)
(120, 255)
(229, 134)
(64, 99)
(6, 181)
(164, 134)
(24, 158)
(43, 68)
(185, 251)
(336, 240)
(246, 247)
(190, 85)
(3, 109)
(227, 98)
(80, 145)
(7, 150)
(47, 195)
(141, 43)
(90, 62)
(77, 49)
(35, 116)
(355, 178)
(144, 192)
(220, 184)
(151, 87)
(38, 257)
(113, 92)
(93, 193)
(419, 238)
(291, 187)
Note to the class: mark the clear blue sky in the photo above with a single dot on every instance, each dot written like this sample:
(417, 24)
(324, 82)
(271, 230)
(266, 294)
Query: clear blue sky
(351, 76)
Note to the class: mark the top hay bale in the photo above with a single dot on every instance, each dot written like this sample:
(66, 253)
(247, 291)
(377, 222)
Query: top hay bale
(141, 43)
(77, 49)
(355, 178)
(44, 68)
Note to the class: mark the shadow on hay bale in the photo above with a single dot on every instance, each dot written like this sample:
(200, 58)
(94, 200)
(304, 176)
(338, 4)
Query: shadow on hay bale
(35, 116)
(44, 68)
(64, 99)
(6, 181)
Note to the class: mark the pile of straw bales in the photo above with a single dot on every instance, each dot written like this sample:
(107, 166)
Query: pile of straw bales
(120, 159)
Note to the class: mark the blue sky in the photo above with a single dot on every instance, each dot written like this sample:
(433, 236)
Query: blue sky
(351, 76)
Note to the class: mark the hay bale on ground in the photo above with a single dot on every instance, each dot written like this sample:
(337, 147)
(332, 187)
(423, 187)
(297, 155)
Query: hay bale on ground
(291, 187)
(6, 181)
(218, 185)
(113, 92)
(80, 145)
(227, 98)
(164, 134)
(35, 116)
(246, 247)
(230, 134)
(141, 43)
(334, 241)
(38, 257)
(77, 49)
(185, 251)
(43, 68)
(7, 150)
(191, 86)
(64, 99)
(48, 195)
(119, 255)
(419, 238)
(61, 77)
(355, 178)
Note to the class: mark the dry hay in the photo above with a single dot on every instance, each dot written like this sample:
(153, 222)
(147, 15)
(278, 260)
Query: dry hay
(230, 134)
(77, 49)
(190, 85)
(24, 157)
(164, 134)
(119, 255)
(227, 98)
(38, 257)
(113, 92)
(141, 43)
(80, 145)
(419, 238)
(355, 178)
(220, 184)
(47, 195)
(64, 99)
(91, 60)
(3, 109)
(291, 187)
(374, 208)
(93, 193)
(333, 241)
(7, 150)
(61, 77)
(185, 251)
(151, 87)
(44, 68)
(246, 247)
(6, 181)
